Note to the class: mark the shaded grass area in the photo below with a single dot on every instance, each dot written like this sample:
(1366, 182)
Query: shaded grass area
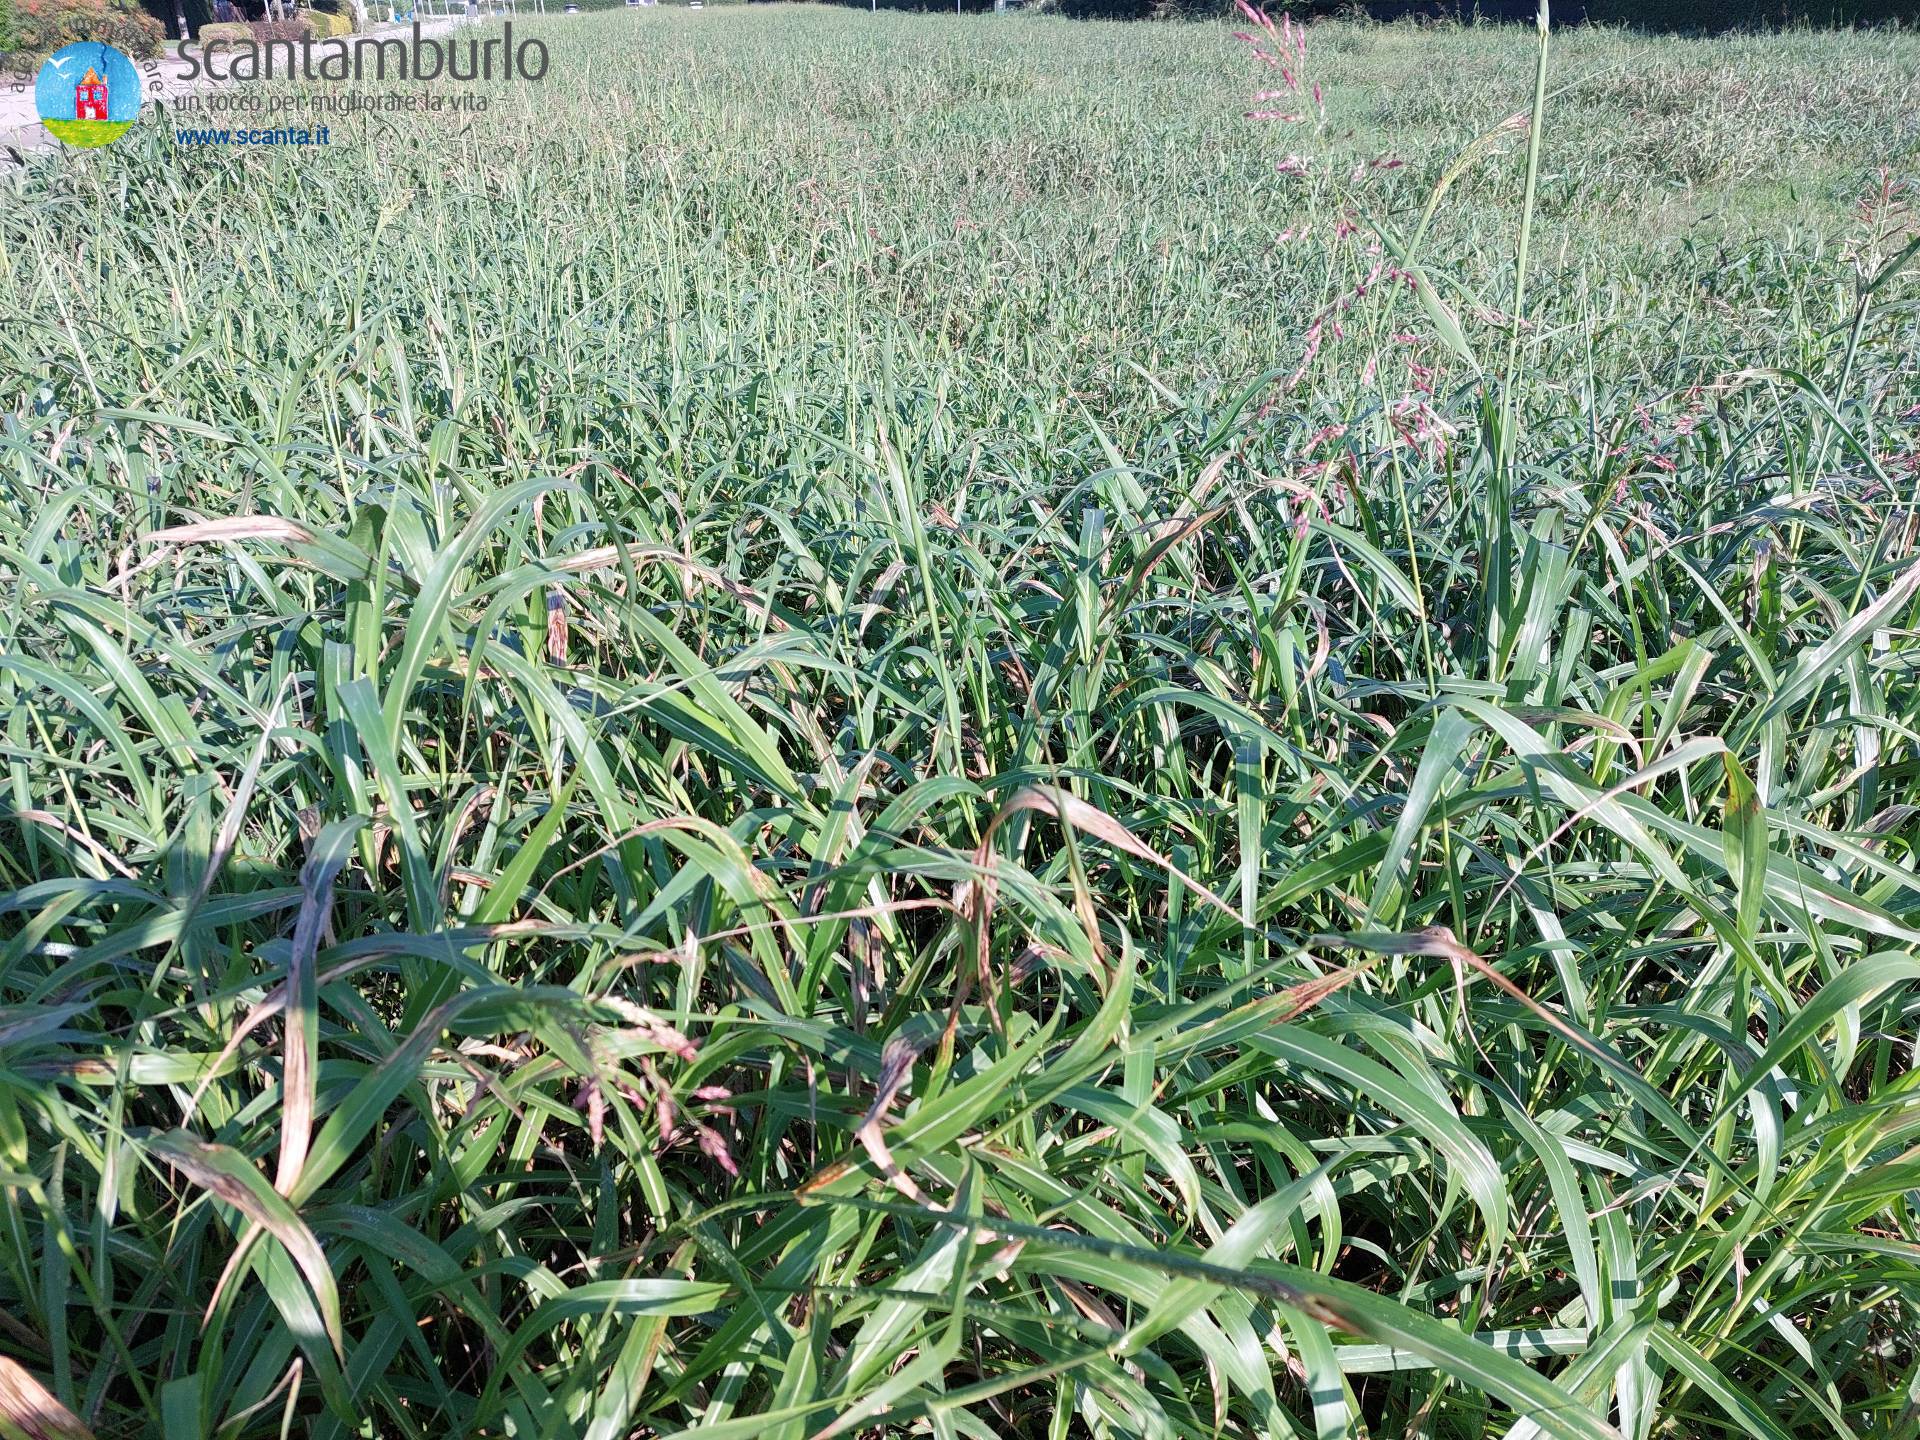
(884, 726)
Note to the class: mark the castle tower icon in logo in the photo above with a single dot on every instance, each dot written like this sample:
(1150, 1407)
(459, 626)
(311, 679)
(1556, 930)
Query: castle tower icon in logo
(90, 97)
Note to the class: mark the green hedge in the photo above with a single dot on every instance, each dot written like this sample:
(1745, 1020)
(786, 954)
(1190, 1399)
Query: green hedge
(327, 24)
(301, 26)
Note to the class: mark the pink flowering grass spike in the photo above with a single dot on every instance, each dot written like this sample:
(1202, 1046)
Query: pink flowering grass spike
(1256, 16)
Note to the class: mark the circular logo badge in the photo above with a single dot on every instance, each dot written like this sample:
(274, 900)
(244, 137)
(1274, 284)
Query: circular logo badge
(87, 94)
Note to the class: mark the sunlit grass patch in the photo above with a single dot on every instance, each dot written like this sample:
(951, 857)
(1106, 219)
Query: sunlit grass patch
(882, 725)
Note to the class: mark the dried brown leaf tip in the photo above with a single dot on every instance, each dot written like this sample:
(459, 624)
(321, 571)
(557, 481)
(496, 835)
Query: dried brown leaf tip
(28, 1410)
(236, 527)
(556, 624)
(896, 1066)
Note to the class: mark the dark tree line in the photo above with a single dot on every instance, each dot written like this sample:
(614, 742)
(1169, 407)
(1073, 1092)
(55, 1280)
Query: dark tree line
(1665, 15)
(1673, 15)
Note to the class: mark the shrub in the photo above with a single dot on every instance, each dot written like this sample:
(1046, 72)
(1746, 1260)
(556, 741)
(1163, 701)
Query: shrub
(37, 28)
(303, 26)
(326, 26)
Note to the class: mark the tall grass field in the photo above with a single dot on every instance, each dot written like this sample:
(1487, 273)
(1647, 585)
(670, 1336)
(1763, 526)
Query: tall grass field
(906, 725)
